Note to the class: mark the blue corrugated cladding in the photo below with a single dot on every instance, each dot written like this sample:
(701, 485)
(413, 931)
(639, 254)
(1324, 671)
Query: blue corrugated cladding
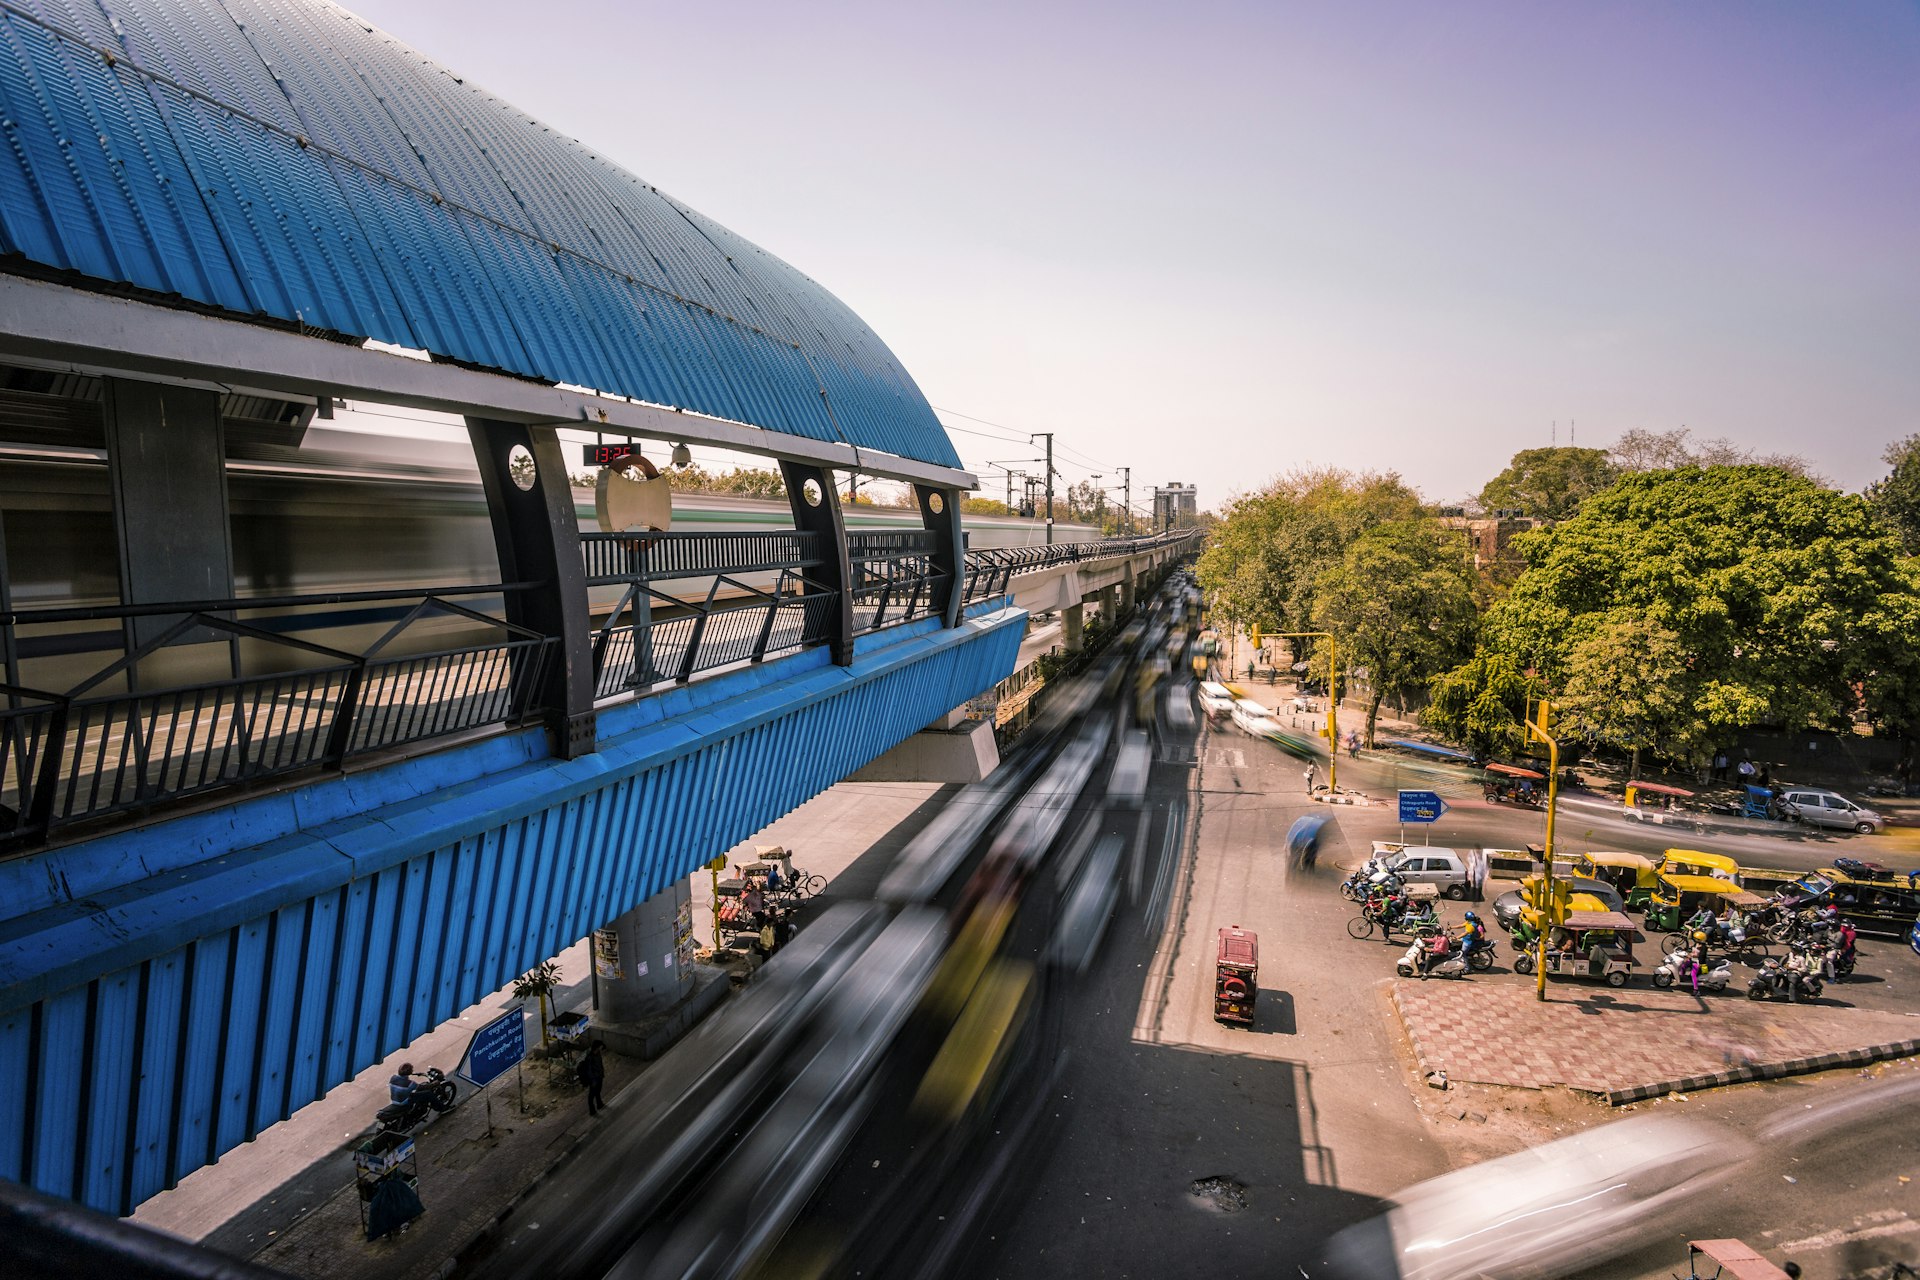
(139, 1041)
(280, 158)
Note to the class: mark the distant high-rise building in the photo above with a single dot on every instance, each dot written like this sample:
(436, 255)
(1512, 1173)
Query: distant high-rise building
(1175, 506)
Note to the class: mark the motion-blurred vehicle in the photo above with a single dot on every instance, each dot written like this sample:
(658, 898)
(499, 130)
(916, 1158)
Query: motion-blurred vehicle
(1819, 807)
(1514, 784)
(1538, 1214)
(1216, 700)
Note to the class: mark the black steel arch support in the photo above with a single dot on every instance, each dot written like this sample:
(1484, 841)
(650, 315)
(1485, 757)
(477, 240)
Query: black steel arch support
(537, 536)
(817, 510)
(940, 514)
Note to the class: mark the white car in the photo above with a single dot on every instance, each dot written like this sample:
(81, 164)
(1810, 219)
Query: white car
(1539, 1213)
(1216, 700)
(1255, 719)
(1819, 807)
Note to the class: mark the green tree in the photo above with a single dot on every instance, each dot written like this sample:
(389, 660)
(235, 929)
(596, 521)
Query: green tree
(1897, 496)
(1265, 557)
(1400, 602)
(1481, 704)
(1629, 683)
(1711, 599)
(1549, 483)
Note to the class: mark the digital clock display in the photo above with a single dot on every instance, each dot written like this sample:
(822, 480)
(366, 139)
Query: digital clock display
(608, 455)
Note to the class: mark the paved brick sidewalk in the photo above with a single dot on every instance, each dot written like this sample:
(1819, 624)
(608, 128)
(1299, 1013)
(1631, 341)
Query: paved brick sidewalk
(1632, 1042)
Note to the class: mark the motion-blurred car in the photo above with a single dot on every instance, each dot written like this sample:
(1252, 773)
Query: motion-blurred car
(1819, 807)
(1544, 1212)
(1506, 907)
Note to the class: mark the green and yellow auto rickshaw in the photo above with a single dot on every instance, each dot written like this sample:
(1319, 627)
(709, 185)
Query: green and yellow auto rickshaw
(1633, 875)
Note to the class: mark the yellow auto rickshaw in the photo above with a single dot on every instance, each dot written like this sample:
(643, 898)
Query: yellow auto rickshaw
(1587, 944)
(1634, 875)
(1697, 862)
(1679, 898)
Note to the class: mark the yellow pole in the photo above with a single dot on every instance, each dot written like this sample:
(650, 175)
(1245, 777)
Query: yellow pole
(1546, 857)
(1333, 716)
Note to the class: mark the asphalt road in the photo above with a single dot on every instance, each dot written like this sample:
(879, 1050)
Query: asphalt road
(1309, 1114)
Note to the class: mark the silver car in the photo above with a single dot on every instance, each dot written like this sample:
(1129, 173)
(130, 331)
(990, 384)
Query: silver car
(1819, 807)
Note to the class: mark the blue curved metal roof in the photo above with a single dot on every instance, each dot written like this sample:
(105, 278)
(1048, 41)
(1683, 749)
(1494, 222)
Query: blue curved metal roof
(284, 159)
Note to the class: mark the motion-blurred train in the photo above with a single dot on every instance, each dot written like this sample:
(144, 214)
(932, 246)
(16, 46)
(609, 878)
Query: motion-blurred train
(313, 509)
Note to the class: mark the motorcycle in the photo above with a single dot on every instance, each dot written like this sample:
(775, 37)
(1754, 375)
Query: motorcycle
(1774, 980)
(435, 1094)
(1677, 970)
(1839, 964)
(1453, 966)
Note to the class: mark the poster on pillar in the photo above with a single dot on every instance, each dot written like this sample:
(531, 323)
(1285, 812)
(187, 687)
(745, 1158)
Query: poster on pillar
(683, 933)
(606, 955)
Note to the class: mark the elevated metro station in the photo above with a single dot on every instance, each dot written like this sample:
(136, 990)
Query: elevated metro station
(278, 790)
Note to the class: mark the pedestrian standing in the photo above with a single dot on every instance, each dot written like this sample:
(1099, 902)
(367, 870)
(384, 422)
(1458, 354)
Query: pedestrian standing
(1720, 766)
(593, 1074)
(1312, 775)
(1745, 770)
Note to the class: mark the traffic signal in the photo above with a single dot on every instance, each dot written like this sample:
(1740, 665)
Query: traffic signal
(1562, 899)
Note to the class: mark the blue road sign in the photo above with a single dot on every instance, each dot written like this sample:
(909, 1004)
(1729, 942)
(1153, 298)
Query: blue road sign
(1421, 806)
(494, 1048)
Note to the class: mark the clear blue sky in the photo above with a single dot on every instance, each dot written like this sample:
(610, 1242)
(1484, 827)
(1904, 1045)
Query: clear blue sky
(1219, 240)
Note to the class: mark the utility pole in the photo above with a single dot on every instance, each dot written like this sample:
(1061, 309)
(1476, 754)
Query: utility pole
(1126, 479)
(1030, 439)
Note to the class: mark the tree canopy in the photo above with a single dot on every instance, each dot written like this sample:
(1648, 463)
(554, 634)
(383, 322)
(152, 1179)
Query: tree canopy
(1550, 483)
(1401, 601)
(1679, 606)
(1897, 496)
(1264, 560)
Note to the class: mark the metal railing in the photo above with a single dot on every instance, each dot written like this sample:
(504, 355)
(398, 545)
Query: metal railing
(160, 702)
(759, 600)
(227, 691)
(990, 571)
(894, 578)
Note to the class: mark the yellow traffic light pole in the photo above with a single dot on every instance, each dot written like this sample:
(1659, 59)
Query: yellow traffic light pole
(1333, 697)
(1549, 913)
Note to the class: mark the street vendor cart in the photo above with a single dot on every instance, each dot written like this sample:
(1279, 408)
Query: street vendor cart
(1236, 976)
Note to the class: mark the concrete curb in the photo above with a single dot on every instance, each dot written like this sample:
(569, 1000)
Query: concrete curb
(1765, 1071)
(1346, 798)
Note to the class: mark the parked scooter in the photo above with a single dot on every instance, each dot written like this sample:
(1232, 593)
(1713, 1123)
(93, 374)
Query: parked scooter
(436, 1093)
(1775, 980)
(1677, 970)
(1453, 966)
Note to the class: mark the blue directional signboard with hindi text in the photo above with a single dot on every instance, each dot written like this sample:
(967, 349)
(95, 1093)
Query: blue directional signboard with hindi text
(494, 1049)
(1421, 806)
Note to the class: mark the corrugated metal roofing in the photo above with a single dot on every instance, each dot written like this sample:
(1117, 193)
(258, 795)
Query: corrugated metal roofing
(284, 159)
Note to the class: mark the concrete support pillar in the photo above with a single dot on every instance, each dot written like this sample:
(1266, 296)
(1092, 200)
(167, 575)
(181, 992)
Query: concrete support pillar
(1073, 624)
(643, 946)
(1110, 603)
(1127, 592)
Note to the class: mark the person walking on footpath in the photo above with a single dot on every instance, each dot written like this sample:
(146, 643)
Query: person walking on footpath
(593, 1074)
